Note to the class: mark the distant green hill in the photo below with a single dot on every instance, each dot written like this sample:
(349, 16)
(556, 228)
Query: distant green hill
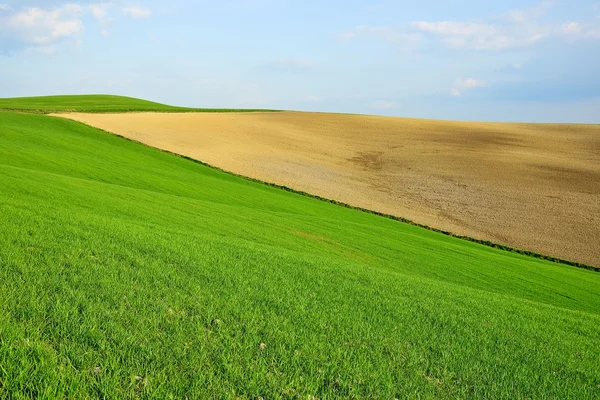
(127, 272)
(94, 104)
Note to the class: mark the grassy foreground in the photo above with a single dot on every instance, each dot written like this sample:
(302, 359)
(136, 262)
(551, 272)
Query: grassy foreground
(94, 104)
(127, 272)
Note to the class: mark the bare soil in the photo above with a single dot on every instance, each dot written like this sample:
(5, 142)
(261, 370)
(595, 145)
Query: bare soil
(530, 186)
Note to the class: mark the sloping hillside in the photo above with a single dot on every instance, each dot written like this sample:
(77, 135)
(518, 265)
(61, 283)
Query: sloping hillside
(94, 103)
(128, 272)
(529, 186)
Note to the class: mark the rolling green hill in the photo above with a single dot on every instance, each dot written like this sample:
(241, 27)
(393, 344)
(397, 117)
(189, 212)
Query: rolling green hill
(128, 272)
(94, 104)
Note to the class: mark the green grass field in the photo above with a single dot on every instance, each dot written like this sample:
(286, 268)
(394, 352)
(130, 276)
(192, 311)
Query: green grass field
(127, 272)
(94, 104)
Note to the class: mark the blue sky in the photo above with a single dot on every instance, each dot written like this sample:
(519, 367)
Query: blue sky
(447, 59)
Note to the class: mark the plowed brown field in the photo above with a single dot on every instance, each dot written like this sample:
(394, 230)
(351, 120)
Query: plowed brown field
(530, 186)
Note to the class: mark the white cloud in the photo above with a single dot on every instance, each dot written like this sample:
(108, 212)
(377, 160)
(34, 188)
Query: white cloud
(516, 29)
(99, 11)
(472, 83)
(137, 12)
(528, 15)
(455, 92)
(460, 29)
(483, 36)
(39, 27)
(345, 36)
(461, 85)
(572, 28)
(578, 30)
(101, 14)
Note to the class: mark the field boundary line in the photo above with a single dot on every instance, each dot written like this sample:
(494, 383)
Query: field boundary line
(486, 243)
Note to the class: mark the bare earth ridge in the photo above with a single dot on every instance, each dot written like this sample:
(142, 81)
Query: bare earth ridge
(530, 186)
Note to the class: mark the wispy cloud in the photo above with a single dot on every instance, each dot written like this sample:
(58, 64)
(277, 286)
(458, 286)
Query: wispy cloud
(462, 85)
(137, 12)
(578, 30)
(102, 15)
(344, 36)
(512, 30)
(527, 15)
(448, 28)
(37, 29)
(515, 29)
